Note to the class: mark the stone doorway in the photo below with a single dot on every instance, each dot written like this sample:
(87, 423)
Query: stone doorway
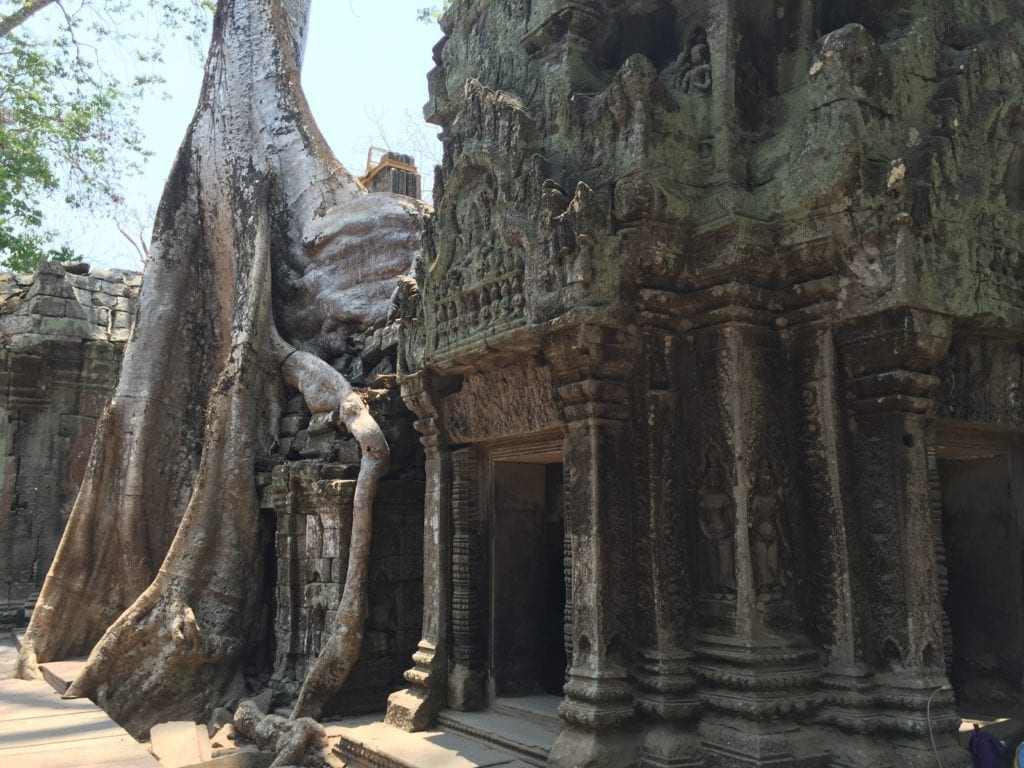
(527, 580)
(982, 512)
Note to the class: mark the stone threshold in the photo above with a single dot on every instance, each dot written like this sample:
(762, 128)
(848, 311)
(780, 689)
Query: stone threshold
(525, 726)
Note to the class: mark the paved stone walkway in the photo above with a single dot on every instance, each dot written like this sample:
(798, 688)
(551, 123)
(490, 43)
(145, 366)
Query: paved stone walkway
(39, 729)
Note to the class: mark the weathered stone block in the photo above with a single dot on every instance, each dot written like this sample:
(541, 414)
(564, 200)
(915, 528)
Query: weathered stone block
(51, 306)
(290, 425)
(59, 370)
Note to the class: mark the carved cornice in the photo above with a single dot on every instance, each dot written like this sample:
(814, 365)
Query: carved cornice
(423, 393)
(593, 354)
(890, 359)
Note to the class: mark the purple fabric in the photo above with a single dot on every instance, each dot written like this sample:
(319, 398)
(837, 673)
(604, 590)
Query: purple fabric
(985, 748)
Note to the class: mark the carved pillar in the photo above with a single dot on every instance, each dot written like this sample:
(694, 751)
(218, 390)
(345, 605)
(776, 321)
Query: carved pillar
(467, 684)
(941, 570)
(815, 387)
(592, 366)
(754, 659)
(665, 685)
(889, 359)
(567, 611)
(413, 708)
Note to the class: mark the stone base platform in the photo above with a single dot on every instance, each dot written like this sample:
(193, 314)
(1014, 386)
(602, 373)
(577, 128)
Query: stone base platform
(524, 726)
(369, 743)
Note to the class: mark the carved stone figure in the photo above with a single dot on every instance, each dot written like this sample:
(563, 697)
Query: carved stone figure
(765, 510)
(691, 69)
(314, 606)
(716, 515)
(695, 69)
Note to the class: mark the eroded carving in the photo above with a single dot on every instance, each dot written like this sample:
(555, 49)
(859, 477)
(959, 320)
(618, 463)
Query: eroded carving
(716, 515)
(527, 404)
(765, 510)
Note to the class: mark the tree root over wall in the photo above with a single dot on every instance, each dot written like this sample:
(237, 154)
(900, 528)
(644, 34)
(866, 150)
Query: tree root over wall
(157, 575)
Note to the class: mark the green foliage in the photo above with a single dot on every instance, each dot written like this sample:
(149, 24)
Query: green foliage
(433, 12)
(66, 119)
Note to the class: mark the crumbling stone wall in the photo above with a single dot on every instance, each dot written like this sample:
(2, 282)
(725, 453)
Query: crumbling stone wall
(306, 496)
(62, 334)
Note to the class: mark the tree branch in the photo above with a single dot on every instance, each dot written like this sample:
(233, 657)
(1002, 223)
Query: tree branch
(139, 245)
(9, 23)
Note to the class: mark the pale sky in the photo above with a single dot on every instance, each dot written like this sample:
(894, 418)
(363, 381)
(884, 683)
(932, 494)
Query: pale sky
(364, 76)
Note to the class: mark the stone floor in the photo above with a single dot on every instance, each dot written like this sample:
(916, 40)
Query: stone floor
(39, 729)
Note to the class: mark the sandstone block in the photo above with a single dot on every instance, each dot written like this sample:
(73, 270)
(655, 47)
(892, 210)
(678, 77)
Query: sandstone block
(224, 736)
(180, 743)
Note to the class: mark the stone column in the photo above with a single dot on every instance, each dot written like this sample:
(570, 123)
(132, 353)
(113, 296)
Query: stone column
(665, 686)
(758, 671)
(890, 359)
(467, 682)
(815, 390)
(592, 365)
(414, 708)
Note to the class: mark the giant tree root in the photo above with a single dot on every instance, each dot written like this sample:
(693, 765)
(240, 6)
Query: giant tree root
(174, 652)
(170, 499)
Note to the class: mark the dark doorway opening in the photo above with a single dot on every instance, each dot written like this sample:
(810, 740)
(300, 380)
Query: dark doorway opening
(528, 578)
(981, 533)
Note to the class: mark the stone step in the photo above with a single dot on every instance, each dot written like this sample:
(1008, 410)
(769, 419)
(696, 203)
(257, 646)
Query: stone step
(180, 743)
(373, 744)
(541, 709)
(529, 737)
(61, 674)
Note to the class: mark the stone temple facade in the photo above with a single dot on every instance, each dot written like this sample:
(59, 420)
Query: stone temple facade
(717, 363)
(62, 334)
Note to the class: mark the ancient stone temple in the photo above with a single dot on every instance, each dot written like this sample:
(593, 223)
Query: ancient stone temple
(62, 333)
(717, 365)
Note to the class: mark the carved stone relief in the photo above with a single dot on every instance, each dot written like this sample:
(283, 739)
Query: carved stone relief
(526, 398)
(691, 70)
(765, 510)
(982, 379)
(716, 515)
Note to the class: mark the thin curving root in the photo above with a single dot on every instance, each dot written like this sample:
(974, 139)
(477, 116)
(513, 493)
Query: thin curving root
(324, 390)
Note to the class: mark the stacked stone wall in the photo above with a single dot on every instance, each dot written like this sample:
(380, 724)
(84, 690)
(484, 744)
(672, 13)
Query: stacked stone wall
(308, 493)
(62, 335)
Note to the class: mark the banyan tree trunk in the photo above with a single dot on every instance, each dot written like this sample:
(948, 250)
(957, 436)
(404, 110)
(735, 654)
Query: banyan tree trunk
(155, 576)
